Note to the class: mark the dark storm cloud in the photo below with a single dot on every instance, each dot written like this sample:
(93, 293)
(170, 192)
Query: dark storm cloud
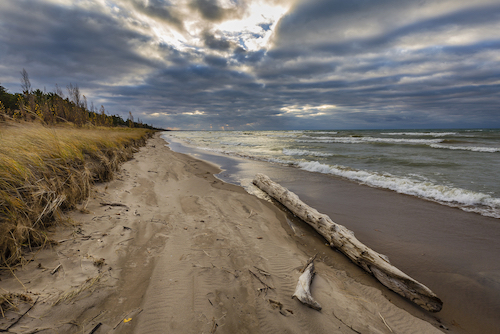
(71, 45)
(215, 61)
(372, 64)
(243, 56)
(160, 9)
(215, 43)
(297, 70)
(211, 10)
(345, 47)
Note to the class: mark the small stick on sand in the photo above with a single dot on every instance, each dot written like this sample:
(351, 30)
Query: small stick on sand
(266, 286)
(303, 289)
(55, 269)
(214, 326)
(262, 271)
(22, 315)
(113, 204)
(95, 328)
(309, 262)
(385, 323)
(345, 323)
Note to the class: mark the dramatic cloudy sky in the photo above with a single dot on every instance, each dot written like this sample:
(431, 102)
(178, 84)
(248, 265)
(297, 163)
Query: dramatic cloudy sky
(264, 64)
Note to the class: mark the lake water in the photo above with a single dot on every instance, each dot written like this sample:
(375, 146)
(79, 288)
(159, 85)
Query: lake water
(457, 168)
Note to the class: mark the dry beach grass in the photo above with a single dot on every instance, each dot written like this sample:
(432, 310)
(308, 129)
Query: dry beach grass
(44, 170)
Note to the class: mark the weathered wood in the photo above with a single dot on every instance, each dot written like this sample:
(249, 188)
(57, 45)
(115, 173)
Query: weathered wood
(303, 289)
(340, 237)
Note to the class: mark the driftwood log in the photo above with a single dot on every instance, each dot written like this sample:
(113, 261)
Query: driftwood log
(340, 237)
(303, 289)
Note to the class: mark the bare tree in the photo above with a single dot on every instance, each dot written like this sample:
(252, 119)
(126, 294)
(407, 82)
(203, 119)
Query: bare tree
(74, 94)
(130, 120)
(59, 91)
(25, 82)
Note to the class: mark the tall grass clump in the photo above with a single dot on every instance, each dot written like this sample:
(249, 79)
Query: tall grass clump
(46, 170)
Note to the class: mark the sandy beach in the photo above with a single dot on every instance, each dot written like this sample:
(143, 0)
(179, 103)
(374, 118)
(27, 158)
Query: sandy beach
(167, 247)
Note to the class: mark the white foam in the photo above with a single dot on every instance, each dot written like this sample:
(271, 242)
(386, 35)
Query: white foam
(295, 135)
(468, 148)
(235, 144)
(358, 140)
(433, 134)
(322, 132)
(428, 190)
(294, 152)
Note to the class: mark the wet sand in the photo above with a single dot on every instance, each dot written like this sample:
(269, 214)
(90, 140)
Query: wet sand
(188, 253)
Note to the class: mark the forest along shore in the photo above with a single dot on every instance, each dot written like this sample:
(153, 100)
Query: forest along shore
(166, 246)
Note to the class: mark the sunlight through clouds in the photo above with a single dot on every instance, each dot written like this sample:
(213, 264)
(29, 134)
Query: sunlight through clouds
(247, 63)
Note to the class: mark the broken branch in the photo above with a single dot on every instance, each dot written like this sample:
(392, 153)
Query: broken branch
(303, 289)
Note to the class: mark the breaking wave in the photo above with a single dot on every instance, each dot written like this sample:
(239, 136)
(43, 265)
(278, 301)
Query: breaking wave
(465, 199)
(358, 140)
(468, 148)
(294, 152)
(432, 134)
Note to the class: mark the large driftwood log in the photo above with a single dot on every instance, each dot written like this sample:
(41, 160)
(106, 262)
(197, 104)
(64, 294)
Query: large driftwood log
(340, 237)
(303, 289)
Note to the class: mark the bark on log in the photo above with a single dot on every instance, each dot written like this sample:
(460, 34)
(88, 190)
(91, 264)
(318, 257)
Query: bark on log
(340, 237)
(303, 289)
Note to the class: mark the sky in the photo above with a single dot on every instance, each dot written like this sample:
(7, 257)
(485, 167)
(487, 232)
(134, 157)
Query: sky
(264, 64)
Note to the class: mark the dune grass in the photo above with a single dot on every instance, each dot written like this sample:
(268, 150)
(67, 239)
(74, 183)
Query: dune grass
(45, 170)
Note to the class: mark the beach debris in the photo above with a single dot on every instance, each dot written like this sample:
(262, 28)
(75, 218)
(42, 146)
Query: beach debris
(303, 290)
(21, 297)
(385, 322)
(55, 269)
(214, 326)
(96, 327)
(266, 286)
(89, 284)
(125, 318)
(99, 262)
(311, 259)
(341, 238)
(342, 321)
(275, 304)
(113, 204)
(262, 271)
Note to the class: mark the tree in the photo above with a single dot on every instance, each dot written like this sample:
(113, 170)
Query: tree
(25, 82)
(130, 120)
(74, 94)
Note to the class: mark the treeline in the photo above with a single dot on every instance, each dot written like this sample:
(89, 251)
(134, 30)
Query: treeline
(54, 107)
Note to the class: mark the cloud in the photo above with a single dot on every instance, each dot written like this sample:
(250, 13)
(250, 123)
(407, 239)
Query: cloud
(161, 10)
(264, 64)
(71, 44)
(213, 11)
(215, 43)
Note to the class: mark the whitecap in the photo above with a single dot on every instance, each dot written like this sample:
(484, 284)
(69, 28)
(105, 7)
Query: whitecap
(295, 152)
(468, 148)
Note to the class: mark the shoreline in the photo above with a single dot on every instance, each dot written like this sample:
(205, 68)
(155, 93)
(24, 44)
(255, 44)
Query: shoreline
(179, 255)
(451, 251)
